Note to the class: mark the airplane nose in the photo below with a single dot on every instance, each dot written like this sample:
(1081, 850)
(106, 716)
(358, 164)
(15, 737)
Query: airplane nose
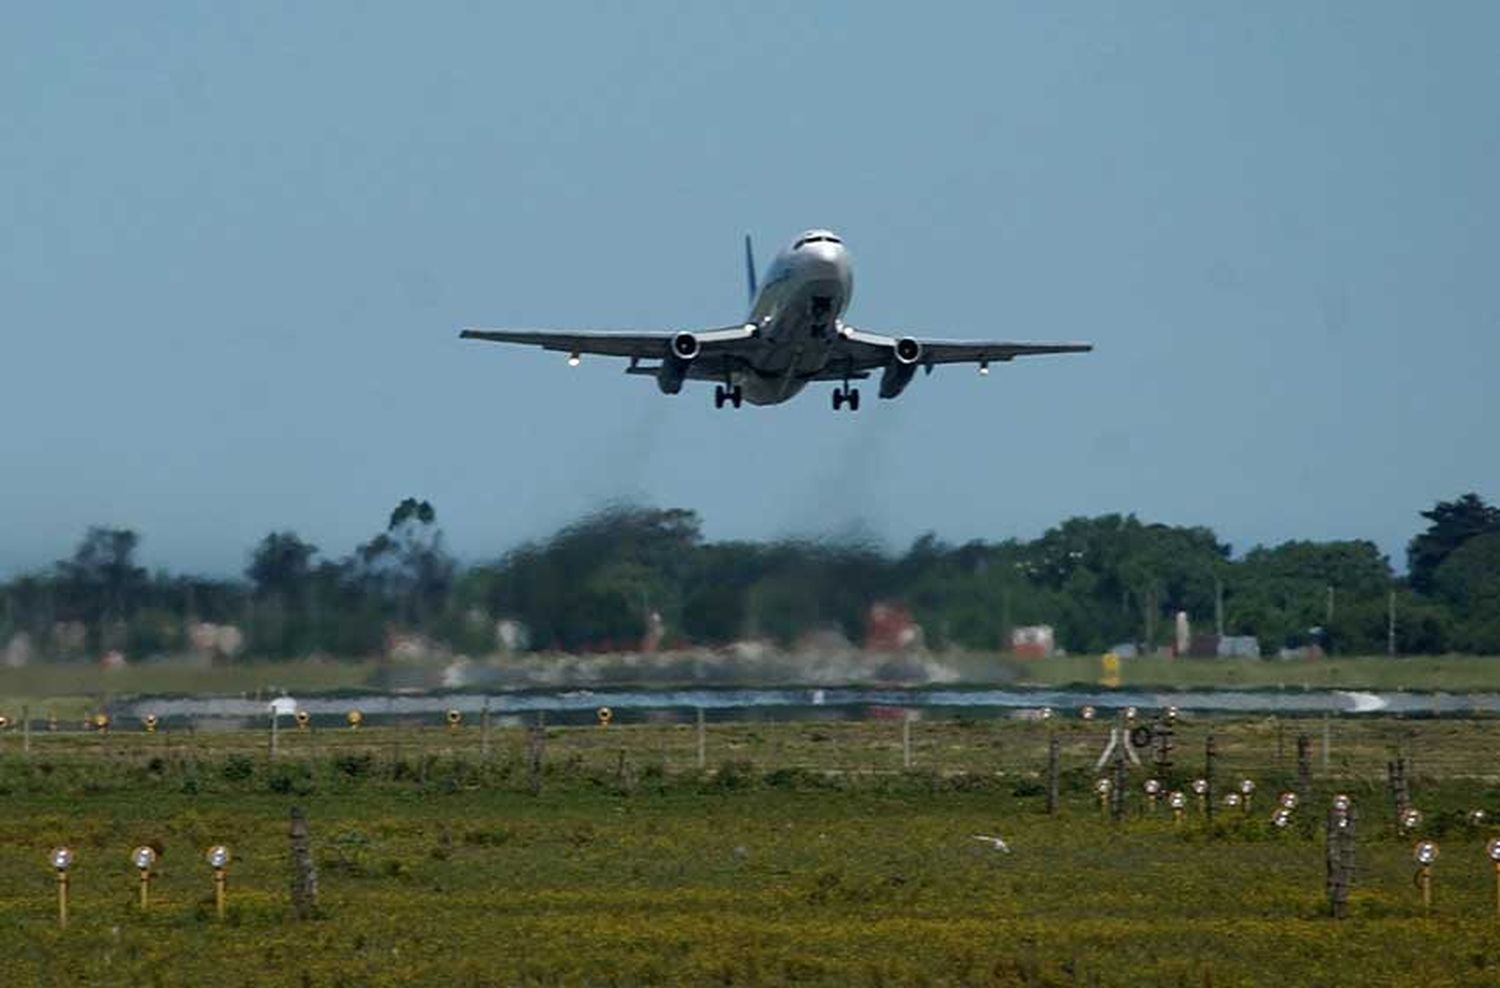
(829, 260)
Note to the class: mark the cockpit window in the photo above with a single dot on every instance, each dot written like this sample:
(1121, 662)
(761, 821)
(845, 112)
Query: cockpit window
(817, 238)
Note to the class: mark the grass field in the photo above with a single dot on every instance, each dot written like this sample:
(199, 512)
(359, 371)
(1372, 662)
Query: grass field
(805, 854)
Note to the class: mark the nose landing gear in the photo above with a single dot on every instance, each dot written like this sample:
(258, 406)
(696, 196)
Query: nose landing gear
(732, 395)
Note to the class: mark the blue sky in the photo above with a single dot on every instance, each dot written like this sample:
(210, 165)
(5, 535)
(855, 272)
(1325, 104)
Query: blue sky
(239, 240)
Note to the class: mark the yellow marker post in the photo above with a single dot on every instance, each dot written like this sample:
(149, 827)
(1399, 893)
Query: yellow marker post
(1426, 853)
(143, 858)
(1109, 671)
(101, 722)
(355, 718)
(1102, 787)
(62, 859)
(1492, 849)
(218, 860)
(1178, 801)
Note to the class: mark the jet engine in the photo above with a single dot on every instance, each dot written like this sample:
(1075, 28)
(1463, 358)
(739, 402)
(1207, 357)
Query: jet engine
(674, 366)
(901, 369)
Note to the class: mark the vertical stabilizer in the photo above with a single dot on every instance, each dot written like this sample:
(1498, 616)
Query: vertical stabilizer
(750, 269)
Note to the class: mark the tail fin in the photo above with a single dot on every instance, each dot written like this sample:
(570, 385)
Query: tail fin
(750, 268)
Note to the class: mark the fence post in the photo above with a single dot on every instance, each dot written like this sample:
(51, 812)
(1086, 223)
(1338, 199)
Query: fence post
(1052, 775)
(906, 739)
(1304, 767)
(702, 742)
(484, 729)
(304, 871)
(536, 743)
(25, 730)
(1210, 755)
(1117, 787)
(1339, 834)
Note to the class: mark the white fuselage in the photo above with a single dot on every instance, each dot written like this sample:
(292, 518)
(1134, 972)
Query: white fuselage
(797, 313)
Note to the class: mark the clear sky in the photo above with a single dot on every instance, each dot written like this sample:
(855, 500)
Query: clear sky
(237, 242)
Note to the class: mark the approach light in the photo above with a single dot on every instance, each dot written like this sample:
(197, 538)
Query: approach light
(355, 718)
(1341, 803)
(1046, 713)
(573, 359)
(1232, 799)
(1411, 818)
(605, 715)
(1200, 787)
(101, 721)
(1152, 787)
(1281, 817)
(1247, 786)
(1171, 713)
(1492, 849)
(1425, 852)
(303, 718)
(454, 718)
(1176, 799)
(1476, 817)
(149, 722)
(61, 860)
(1087, 713)
(1102, 787)
(4, 722)
(218, 859)
(143, 858)
(1130, 713)
(1288, 800)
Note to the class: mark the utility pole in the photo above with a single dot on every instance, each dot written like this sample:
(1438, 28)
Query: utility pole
(1218, 606)
(1328, 616)
(1390, 624)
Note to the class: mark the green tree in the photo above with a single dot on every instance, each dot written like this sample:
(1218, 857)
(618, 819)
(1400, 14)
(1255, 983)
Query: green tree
(1452, 524)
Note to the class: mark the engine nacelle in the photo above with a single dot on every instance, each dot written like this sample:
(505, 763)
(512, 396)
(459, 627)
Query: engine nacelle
(674, 366)
(902, 368)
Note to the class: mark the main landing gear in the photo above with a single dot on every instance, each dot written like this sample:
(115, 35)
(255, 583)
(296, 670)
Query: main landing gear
(732, 395)
(846, 396)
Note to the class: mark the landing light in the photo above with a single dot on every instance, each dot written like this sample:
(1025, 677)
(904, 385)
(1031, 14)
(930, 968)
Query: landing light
(573, 360)
(984, 368)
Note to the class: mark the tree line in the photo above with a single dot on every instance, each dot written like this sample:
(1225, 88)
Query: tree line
(618, 576)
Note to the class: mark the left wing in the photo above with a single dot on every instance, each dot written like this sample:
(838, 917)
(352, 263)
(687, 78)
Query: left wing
(638, 345)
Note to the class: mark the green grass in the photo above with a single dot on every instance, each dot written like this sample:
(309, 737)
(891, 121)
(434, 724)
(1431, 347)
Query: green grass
(804, 856)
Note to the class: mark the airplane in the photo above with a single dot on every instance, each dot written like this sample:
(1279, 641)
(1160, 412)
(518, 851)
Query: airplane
(795, 334)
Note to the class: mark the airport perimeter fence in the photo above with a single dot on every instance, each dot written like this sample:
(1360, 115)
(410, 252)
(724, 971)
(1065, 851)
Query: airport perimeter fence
(1274, 749)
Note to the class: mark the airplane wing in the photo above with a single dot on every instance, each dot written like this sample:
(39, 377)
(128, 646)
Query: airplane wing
(620, 344)
(870, 350)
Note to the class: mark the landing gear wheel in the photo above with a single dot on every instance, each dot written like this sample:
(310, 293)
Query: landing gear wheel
(838, 399)
(736, 395)
(853, 399)
(719, 396)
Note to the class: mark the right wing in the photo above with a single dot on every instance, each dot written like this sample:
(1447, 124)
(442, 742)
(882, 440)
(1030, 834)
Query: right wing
(635, 345)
